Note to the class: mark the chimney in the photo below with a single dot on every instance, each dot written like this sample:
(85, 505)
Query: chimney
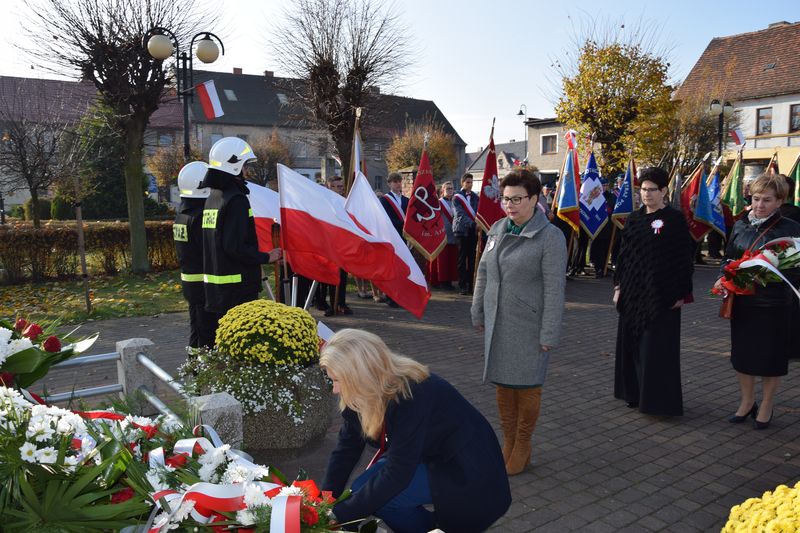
(268, 73)
(779, 24)
(237, 70)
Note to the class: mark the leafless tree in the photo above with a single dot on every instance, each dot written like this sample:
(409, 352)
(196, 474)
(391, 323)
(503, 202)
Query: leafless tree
(35, 116)
(343, 51)
(269, 150)
(101, 41)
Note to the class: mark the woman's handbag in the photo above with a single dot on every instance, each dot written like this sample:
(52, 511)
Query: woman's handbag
(726, 307)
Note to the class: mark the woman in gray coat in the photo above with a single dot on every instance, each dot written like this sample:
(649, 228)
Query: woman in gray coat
(518, 302)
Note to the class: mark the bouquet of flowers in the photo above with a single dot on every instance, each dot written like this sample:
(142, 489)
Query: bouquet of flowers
(28, 350)
(765, 265)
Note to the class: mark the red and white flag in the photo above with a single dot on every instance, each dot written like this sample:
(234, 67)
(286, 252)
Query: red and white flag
(424, 226)
(209, 99)
(319, 237)
(737, 136)
(569, 136)
(266, 207)
(407, 285)
(489, 208)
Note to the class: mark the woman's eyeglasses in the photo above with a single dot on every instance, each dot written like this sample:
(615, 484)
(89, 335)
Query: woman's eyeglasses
(514, 200)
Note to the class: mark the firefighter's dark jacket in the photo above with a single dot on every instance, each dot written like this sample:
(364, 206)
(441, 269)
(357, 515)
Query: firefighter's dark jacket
(231, 259)
(188, 234)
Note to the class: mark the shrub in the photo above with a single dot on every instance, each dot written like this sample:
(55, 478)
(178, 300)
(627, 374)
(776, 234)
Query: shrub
(43, 209)
(61, 209)
(17, 212)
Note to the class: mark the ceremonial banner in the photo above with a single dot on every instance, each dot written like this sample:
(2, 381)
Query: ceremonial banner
(794, 173)
(319, 236)
(715, 197)
(625, 204)
(695, 204)
(567, 199)
(489, 208)
(406, 283)
(594, 214)
(424, 226)
(733, 188)
(266, 207)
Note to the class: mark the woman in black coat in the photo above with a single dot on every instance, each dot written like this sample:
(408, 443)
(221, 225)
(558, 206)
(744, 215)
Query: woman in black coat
(761, 323)
(652, 280)
(434, 447)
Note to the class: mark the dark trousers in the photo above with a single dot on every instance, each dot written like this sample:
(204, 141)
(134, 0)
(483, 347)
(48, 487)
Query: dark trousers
(715, 245)
(599, 252)
(578, 259)
(326, 291)
(466, 260)
(202, 326)
(405, 512)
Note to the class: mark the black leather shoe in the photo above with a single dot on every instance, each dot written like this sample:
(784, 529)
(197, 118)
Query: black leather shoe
(736, 419)
(762, 425)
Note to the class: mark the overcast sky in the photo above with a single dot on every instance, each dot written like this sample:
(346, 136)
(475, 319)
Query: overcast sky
(480, 59)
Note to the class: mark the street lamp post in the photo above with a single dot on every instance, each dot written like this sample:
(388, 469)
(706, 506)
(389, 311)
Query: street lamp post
(722, 111)
(161, 44)
(523, 112)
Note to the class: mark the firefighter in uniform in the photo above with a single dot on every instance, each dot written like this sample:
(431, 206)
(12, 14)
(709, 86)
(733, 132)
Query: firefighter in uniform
(231, 258)
(188, 236)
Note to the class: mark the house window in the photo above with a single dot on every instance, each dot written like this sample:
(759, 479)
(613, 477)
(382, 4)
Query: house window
(230, 95)
(377, 182)
(794, 118)
(549, 144)
(764, 121)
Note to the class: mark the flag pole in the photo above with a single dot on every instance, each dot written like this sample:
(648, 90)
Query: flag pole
(478, 230)
(610, 247)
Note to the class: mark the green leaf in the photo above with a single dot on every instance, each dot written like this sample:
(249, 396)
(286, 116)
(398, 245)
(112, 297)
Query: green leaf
(23, 362)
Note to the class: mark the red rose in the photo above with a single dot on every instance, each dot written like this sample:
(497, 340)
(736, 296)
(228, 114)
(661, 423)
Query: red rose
(309, 515)
(122, 495)
(20, 324)
(32, 331)
(52, 344)
(7, 379)
(177, 460)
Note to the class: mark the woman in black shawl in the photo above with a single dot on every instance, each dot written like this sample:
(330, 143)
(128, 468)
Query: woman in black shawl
(652, 281)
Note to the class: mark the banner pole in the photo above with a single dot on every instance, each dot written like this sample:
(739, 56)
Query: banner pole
(610, 247)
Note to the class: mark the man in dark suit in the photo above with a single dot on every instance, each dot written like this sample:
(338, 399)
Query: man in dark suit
(465, 204)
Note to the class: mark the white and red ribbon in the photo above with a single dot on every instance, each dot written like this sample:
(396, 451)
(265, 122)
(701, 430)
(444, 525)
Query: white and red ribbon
(465, 204)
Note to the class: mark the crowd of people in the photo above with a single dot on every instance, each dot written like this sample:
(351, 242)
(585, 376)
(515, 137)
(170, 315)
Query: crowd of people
(434, 448)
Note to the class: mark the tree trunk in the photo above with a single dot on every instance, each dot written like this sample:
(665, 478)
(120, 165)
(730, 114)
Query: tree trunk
(37, 222)
(82, 253)
(134, 191)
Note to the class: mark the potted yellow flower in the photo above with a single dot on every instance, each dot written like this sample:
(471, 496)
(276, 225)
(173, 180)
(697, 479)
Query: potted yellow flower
(267, 357)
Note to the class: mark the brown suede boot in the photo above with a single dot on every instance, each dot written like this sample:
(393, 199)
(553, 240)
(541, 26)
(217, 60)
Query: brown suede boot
(507, 407)
(529, 402)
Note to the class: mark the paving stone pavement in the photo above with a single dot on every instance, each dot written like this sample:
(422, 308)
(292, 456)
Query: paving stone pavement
(598, 466)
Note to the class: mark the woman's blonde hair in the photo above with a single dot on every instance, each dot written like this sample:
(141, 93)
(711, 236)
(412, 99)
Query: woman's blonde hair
(370, 375)
(764, 182)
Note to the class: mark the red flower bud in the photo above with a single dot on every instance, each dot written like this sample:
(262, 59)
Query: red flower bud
(52, 344)
(7, 379)
(177, 461)
(32, 331)
(20, 324)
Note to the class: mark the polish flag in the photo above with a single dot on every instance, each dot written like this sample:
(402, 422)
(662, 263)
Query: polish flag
(319, 237)
(737, 136)
(406, 285)
(266, 206)
(209, 99)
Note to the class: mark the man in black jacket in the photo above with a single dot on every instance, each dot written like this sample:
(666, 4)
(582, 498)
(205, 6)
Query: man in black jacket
(231, 258)
(188, 235)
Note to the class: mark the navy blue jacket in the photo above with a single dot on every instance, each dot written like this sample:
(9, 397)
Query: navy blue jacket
(440, 429)
(389, 207)
(463, 224)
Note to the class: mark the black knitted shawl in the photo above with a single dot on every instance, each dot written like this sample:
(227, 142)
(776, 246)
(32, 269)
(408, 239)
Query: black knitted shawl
(654, 269)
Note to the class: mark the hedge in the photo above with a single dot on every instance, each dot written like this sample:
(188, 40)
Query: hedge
(51, 252)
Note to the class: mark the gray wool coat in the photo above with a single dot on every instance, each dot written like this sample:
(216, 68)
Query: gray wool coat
(519, 298)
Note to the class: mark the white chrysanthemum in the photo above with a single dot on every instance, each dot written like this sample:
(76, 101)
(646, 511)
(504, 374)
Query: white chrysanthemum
(156, 479)
(28, 452)
(182, 513)
(47, 456)
(170, 424)
(254, 496)
(5, 335)
(208, 473)
(237, 473)
(40, 431)
(140, 420)
(290, 491)
(69, 424)
(71, 463)
(246, 518)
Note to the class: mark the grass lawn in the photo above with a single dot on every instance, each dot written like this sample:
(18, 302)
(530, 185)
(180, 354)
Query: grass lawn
(117, 296)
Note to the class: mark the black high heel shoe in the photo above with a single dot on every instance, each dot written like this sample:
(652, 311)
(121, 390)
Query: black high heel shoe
(736, 419)
(763, 425)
